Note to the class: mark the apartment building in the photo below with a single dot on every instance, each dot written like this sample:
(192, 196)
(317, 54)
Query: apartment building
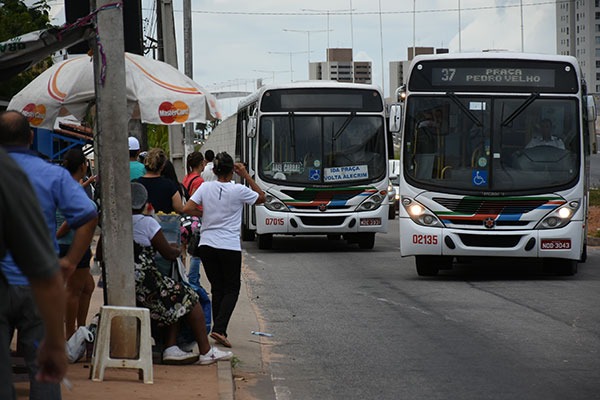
(341, 67)
(398, 69)
(578, 35)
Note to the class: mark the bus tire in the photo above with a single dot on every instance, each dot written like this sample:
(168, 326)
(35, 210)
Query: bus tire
(366, 240)
(247, 234)
(560, 266)
(265, 241)
(427, 265)
(392, 212)
(584, 253)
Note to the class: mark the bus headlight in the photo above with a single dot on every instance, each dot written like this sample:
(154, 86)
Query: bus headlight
(420, 214)
(274, 204)
(559, 217)
(371, 203)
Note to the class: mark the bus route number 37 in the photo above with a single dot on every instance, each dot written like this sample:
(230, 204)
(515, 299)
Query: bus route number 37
(273, 221)
(425, 239)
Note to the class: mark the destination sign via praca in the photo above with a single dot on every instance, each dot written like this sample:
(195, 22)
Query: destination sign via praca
(492, 77)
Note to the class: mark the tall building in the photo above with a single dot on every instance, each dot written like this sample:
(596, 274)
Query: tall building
(578, 35)
(340, 67)
(398, 69)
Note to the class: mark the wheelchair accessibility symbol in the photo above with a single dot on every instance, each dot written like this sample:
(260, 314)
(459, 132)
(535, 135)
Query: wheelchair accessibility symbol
(314, 175)
(480, 178)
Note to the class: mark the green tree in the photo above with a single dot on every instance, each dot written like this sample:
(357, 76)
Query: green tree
(158, 136)
(17, 19)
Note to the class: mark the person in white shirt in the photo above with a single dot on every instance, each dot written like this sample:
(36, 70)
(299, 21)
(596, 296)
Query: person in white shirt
(208, 173)
(222, 203)
(546, 138)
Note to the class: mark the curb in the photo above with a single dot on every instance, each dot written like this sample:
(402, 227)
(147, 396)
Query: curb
(225, 380)
(593, 241)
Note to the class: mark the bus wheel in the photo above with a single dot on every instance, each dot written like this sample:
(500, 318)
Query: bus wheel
(265, 241)
(392, 212)
(366, 240)
(560, 266)
(584, 253)
(427, 265)
(247, 234)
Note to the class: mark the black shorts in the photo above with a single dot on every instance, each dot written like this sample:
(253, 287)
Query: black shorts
(85, 260)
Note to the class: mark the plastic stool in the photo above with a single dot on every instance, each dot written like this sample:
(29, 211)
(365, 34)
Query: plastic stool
(101, 355)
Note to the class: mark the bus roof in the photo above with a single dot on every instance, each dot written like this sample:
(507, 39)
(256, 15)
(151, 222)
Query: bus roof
(506, 55)
(320, 84)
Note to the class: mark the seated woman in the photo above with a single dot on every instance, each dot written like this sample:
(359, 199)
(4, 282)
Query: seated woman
(169, 301)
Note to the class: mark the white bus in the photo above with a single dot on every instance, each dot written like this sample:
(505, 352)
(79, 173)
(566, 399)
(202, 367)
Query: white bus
(319, 151)
(495, 159)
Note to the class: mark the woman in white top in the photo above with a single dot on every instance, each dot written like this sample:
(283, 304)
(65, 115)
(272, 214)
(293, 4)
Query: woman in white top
(169, 301)
(222, 202)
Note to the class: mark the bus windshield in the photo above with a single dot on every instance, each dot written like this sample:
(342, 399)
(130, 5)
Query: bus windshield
(321, 149)
(466, 144)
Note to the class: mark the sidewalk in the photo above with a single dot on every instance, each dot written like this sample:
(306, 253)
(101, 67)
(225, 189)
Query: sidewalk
(211, 382)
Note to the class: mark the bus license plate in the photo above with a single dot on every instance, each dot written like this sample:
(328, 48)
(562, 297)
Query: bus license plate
(556, 244)
(370, 221)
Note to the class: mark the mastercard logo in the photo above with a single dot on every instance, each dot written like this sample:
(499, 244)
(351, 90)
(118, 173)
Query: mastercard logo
(35, 113)
(173, 112)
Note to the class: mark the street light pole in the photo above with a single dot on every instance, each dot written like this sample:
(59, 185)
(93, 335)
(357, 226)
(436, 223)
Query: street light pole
(268, 72)
(308, 32)
(327, 13)
(290, 54)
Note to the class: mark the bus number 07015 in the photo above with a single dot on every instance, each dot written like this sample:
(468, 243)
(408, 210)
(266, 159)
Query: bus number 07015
(273, 221)
(424, 239)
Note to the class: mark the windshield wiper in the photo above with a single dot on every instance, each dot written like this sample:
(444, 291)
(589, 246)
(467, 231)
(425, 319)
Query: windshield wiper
(344, 126)
(464, 109)
(292, 127)
(520, 109)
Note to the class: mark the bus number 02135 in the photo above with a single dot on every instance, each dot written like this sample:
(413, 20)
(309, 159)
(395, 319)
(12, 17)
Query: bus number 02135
(425, 239)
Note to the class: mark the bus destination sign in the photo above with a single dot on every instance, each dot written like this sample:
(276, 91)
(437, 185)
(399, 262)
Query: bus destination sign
(492, 77)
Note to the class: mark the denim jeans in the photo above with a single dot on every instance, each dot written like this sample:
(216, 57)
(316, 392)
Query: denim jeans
(194, 273)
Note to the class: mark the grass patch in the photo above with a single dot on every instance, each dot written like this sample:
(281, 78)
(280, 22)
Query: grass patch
(594, 197)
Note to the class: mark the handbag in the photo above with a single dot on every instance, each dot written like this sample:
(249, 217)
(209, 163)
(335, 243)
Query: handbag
(178, 272)
(76, 345)
(193, 246)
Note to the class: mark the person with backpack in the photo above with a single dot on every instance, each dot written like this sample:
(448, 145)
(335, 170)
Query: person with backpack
(193, 179)
(191, 182)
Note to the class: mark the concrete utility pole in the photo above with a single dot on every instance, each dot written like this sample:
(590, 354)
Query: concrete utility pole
(111, 140)
(176, 139)
(188, 69)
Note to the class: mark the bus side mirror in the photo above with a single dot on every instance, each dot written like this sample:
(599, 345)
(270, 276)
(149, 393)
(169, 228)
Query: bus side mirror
(591, 108)
(395, 118)
(251, 128)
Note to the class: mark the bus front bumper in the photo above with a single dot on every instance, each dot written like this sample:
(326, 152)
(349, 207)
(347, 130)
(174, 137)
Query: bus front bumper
(565, 242)
(290, 223)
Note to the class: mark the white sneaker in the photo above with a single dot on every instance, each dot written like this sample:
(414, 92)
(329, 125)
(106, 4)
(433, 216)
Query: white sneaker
(190, 347)
(214, 355)
(175, 356)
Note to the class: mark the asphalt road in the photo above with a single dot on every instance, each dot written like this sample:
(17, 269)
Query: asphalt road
(355, 324)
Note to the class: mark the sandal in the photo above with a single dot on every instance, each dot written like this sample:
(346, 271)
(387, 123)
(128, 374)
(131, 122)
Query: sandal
(221, 339)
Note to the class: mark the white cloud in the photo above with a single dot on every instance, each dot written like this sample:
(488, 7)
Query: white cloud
(232, 39)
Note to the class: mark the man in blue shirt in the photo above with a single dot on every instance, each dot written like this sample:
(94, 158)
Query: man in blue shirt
(55, 189)
(21, 222)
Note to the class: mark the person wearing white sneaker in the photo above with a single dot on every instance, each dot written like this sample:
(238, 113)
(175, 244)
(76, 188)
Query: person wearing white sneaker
(173, 355)
(215, 354)
(169, 301)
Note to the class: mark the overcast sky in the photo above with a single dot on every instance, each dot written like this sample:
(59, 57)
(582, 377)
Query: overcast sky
(237, 41)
